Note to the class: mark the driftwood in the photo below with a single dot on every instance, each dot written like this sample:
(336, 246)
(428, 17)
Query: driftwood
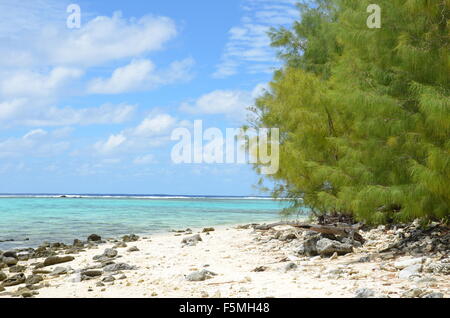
(339, 230)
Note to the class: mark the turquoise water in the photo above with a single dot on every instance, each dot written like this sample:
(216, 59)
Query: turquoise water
(55, 219)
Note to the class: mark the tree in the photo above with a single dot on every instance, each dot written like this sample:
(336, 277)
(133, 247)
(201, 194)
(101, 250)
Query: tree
(364, 113)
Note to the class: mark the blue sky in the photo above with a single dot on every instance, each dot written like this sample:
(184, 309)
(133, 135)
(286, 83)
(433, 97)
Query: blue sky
(91, 110)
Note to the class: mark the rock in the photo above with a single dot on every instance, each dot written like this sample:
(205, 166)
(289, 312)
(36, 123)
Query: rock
(109, 252)
(434, 295)
(100, 284)
(410, 271)
(365, 293)
(413, 293)
(133, 249)
(59, 271)
(10, 261)
(260, 269)
(334, 256)
(118, 267)
(309, 247)
(12, 254)
(290, 266)
(14, 280)
(120, 245)
(200, 276)
(78, 243)
(289, 236)
(108, 279)
(94, 238)
(327, 247)
(2, 276)
(34, 279)
(24, 255)
(92, 273)
(53, 260)
(438, 268)
(208, 229)
(192, 240)
(409, 262)
(130, 238)
(25, 292)
(17, 269)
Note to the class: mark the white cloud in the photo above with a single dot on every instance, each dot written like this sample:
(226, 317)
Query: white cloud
(144, 160)
(153, 131)
(248, 48)
(111, 144)
(26, 112)
(106, 39)
(232, 103)
(33, 134)
(37, 142)
(153, 126)
(141, 75)
(26, 83)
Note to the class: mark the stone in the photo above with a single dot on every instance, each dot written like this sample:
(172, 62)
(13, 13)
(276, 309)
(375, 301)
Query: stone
(10, 261)
(410, 271)
(53, 260)
(14, 280)
(327, 247)
(59, 271)
(109, 252)
(409, 262)
(290, 266)
(92, 273)
(413, 293)
(309, 247)
(434, 295)
(208, 229)
(17, 269)
(118, 267)
(364, 293)
(133, 249)
(200, 276)
(2, 276)
(12, 254)
(94, 238)
(130, 238)
(438, 268)
(192, 240)
(78, 243)
(120, 245)
(260, 269)
(108, 279)
(34, 279)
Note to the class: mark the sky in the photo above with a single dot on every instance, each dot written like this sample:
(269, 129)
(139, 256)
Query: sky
(92, 109)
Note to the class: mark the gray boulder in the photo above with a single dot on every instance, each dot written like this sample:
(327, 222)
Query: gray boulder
(192, 240)
(14, 280)
(53, 260)
(410, 271)
(364, 293)
(200, 276)
(118, 267)
(327, 247)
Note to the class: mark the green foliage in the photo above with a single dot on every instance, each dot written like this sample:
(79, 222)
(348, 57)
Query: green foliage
(364, 114)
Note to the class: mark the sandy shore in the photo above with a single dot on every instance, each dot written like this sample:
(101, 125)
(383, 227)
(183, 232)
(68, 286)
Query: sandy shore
(163, 262)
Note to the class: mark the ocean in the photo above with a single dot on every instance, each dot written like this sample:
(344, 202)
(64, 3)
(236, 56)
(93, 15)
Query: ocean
(29, 220)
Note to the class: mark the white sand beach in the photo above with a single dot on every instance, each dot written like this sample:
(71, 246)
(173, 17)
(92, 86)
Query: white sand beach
(233, 254)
